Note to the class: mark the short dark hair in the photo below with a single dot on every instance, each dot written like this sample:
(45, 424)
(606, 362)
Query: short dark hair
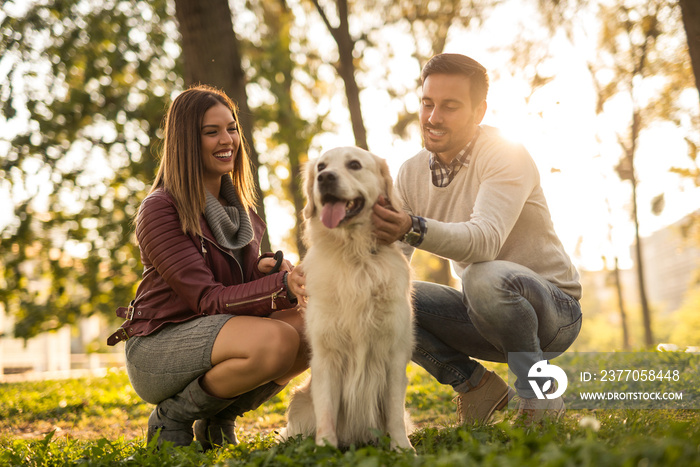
(458, 64)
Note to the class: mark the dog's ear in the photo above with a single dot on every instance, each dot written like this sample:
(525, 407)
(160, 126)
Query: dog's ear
(387, 182)
(309, 176)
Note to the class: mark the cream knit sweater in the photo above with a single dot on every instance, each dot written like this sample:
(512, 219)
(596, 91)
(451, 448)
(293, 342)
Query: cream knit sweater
(493, 210)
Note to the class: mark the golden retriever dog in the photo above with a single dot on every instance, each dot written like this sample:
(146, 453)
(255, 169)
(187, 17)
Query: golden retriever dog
(358, 317)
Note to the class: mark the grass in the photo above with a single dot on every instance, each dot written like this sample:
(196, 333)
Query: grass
(101, 422)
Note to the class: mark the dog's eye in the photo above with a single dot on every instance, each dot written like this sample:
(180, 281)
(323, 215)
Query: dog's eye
(320, 167)
(354, 165)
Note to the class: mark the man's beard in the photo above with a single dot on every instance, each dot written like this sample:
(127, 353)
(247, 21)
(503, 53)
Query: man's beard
(437, 147)
(448, 141)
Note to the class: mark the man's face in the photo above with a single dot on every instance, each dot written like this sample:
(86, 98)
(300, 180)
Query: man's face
(448, 121)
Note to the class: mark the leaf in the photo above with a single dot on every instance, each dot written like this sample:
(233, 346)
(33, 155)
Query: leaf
(692, 149)
(657, 204)
(624, 169)
(101, 107)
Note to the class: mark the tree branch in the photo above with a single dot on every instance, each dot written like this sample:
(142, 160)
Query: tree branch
(321, 12)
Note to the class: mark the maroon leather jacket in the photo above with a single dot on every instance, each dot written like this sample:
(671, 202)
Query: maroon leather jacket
(186, 276)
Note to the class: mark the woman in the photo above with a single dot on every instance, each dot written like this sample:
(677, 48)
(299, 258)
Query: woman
(213, 332)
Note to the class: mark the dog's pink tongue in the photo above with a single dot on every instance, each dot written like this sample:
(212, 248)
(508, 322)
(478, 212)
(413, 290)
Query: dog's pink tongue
(332, 214)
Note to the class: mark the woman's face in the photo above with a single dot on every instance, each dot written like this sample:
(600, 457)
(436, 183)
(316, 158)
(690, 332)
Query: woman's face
(220, 141)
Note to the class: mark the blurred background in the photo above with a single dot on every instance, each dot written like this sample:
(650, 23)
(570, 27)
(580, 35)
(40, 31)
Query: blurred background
(603, 94)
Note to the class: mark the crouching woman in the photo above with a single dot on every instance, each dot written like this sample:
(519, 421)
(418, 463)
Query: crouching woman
(214, 330)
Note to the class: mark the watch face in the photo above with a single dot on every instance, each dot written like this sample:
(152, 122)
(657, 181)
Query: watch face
(412, 237)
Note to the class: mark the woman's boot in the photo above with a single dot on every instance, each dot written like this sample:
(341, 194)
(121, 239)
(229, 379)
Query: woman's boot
(174, 416)
(220, 429)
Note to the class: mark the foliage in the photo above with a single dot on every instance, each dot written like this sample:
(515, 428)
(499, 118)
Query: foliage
(590, 437)
(286, 66)
(691, 230)
(646, 66)
(602, 328)
(91, 80)
(686, 320)
(83, 88)
(428, 267)
(602, 331)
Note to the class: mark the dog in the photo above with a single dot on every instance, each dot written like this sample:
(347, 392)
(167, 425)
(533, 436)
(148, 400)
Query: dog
(359, 320)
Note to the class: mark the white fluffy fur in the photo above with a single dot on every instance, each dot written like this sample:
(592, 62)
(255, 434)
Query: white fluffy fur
(358, 317)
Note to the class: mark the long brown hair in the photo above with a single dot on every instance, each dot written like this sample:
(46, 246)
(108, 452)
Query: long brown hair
(180, 172)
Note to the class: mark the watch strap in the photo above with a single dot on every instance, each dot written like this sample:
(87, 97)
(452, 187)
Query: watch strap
(416, 233)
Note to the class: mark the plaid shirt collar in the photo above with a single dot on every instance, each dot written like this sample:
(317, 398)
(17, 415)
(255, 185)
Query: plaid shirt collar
(442, 173)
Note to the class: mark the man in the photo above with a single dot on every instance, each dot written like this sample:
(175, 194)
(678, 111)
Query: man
(475, 198)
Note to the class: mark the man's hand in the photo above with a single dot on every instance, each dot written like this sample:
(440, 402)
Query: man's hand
(389, 225)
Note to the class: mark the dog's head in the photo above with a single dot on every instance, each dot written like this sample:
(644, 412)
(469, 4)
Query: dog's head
(343, 184)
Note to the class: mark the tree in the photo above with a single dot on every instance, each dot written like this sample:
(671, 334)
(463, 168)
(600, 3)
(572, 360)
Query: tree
(690, 230)
(632, 50)
(429, 23)
(690, 10)
(211, 55)
(113, 69)
(638, 48)
(617, 283)
(346, 66)
(86, 85)
(281, 127)
(563, 14)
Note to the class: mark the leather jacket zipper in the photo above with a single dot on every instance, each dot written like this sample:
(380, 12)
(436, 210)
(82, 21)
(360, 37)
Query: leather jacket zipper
(272, 296)
(205, 251)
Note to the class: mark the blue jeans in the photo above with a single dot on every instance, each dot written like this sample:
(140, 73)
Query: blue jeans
(503, 307)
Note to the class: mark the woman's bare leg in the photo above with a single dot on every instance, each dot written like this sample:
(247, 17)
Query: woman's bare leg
(250, 351)
(295, 318)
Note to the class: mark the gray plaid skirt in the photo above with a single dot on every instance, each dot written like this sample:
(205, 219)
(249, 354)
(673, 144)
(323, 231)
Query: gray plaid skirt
(161, 364)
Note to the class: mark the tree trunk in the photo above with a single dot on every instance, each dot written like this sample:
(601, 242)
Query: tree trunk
(298, 199)
(690, 10)
(621, 306)
(288, 118)
(211, 56)
(276, 65)
(346, 68)
(646, 313)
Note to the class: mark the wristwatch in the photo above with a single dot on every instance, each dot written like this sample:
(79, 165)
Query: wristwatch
(416, 233)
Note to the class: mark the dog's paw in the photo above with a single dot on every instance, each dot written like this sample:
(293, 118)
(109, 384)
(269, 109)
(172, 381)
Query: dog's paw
(402, 444)
(323, 439)
(281, 435)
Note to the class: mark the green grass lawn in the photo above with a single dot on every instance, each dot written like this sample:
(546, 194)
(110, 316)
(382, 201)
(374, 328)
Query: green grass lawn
(101, 421)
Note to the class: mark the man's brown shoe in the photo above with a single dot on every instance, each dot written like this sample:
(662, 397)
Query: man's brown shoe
(479, 404)
(531, 411)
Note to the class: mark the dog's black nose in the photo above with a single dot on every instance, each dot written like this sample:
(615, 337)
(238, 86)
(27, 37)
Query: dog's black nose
(326, 179)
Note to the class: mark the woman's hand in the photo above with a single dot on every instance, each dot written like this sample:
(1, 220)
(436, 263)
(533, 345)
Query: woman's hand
(296, 281)
(265, 265)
